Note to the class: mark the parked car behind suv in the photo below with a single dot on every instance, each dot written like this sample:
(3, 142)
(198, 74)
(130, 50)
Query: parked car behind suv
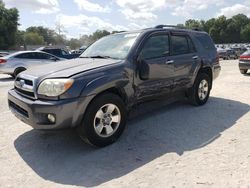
(244, 62)
(59, 52)
(17, 62)
(95, 92)
(227, 53)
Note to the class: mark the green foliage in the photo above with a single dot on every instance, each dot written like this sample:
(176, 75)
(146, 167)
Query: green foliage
(8, 26)
(223, 30)
(31, 38)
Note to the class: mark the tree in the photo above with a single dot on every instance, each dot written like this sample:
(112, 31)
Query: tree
(8, 26)
(49, 35)
(31, 38)
(245, 33)
(98, 34)
(193, 24)
(74, 43)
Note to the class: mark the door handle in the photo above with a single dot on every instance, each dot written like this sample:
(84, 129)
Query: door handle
(195, 57)
(169, 62)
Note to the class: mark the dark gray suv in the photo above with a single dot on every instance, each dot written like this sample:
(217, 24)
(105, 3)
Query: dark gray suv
(95, 91)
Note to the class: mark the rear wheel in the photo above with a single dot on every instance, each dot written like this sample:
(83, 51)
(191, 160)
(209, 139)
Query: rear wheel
(104, 120)
(17, 71)
(199, 93)
(243, 71)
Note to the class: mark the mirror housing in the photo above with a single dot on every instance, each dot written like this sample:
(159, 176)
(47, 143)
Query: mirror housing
(143, 68)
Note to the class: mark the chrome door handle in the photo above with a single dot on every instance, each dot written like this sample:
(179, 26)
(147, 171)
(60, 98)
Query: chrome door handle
(195, 57)
(169, 62)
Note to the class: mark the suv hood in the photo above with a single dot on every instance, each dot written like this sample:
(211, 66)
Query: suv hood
(69, 67)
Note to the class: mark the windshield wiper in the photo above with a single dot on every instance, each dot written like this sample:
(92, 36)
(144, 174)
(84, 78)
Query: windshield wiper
(97, 56)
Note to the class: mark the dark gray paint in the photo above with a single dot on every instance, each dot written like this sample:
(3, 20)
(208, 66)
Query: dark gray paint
(93, 76)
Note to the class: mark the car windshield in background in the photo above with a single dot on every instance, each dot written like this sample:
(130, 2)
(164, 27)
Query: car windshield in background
(113, 46)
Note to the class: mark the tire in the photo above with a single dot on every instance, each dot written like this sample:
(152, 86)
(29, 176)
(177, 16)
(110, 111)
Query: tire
(197, 96)
(98, 127)
(17, 71)
(243, 71)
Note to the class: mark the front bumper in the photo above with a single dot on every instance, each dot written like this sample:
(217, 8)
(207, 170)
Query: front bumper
(68, 113)
(244, 65)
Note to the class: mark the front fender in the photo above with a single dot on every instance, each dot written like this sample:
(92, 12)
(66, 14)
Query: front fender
(103, 83)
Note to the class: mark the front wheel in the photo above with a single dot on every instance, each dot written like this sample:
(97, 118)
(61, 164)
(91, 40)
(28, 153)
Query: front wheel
(104, 120)
(199, 93)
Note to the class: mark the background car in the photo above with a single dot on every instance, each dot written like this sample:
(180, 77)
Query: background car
(59, 52)
(244, 62)
(20, 61)
(227, 53)
(2, 54)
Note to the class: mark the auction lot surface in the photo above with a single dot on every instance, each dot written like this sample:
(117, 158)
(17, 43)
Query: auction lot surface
(176, 145)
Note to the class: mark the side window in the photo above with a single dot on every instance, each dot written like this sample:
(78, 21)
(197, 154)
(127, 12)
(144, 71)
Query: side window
(179, 44)
(156, 47)
(205, 41)
(25, 56)
(191, 45)
(64, 53)
(42, 56)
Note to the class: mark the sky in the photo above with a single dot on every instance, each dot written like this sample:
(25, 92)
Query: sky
(79, 17)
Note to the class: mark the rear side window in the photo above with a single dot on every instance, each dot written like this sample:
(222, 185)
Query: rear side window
(205, 41)
(156, 47)
(191, 45)
(179, 44)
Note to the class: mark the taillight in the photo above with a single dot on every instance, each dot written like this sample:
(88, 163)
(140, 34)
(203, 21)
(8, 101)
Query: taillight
(244, 57)
(2, 61)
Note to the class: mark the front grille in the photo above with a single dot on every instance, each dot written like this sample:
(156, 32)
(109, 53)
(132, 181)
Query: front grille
(24, 87)
(25, 93)
(27, 82)
(18, 109)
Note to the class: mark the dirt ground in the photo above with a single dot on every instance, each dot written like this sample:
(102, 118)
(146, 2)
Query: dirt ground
(175, 145)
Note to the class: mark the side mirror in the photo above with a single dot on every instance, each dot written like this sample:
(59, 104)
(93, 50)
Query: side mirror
(143, 68)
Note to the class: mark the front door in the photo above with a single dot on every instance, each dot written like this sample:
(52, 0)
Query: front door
(154, 54)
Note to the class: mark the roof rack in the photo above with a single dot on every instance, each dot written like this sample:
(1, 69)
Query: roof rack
(170, 26)
(175, 26)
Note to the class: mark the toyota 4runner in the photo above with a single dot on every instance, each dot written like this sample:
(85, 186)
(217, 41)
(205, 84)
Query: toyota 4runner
(95, 91)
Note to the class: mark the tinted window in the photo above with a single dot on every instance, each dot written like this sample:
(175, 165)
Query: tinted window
(64, 53)
(191, 45)
(53, 51)
(205, 41)
(25, 56)
(42, 56)
(180, 45)
(156, 47)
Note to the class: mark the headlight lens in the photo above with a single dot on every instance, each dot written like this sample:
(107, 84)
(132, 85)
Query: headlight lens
(54, 87)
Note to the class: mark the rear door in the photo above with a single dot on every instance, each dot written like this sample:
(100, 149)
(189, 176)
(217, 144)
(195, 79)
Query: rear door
(184, 57)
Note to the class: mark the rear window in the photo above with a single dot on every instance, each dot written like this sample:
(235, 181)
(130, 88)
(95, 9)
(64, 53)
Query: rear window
(205, 41)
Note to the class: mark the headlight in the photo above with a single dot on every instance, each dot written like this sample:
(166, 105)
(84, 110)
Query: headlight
(54, 87)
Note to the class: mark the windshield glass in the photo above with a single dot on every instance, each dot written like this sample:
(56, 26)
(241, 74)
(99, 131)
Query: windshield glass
(113, 46)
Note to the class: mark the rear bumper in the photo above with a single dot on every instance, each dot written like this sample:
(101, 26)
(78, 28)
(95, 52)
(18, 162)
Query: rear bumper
(244, 65)
(68, 113)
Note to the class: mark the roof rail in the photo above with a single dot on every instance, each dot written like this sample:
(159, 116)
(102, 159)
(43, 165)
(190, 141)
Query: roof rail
(173, 26)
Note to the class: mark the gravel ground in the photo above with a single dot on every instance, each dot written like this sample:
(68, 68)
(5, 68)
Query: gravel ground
(176, 145)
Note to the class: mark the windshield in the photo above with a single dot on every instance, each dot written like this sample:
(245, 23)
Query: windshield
(113, 46)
